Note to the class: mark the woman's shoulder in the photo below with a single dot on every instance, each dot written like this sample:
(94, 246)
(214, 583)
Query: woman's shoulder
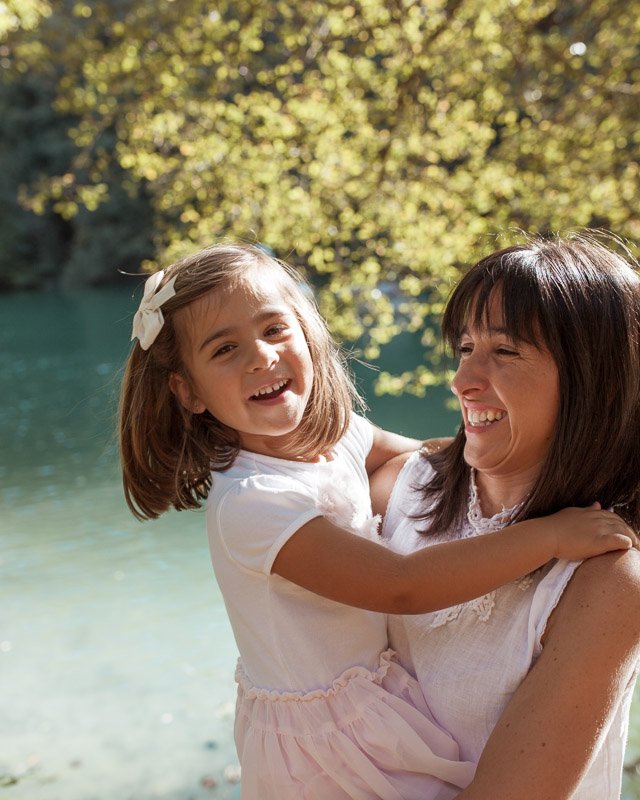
(616, 575)
(610, 576)
(397, 478)
(382, 481)
(603, 600)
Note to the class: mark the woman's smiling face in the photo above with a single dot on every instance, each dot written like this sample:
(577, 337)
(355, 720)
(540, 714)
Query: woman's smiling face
(509, 397)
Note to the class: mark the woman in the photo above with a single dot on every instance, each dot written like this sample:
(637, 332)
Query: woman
(534, 680)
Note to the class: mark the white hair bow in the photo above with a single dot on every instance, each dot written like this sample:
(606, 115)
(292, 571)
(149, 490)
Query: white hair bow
(148, 320)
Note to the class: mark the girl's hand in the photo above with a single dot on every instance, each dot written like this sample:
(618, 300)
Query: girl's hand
(584, 532)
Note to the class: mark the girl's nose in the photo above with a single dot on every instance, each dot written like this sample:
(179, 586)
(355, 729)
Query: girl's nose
(470, 376)
(263, 355)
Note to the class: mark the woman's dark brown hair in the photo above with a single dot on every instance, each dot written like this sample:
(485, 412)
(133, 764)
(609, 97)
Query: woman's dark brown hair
(580, 301)
(167, 453)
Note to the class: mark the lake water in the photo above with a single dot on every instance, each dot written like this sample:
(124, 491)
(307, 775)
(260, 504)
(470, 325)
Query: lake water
(116, 658)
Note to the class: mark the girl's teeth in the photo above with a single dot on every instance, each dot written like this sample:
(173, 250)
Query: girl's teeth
(270, 389)
(484, 418)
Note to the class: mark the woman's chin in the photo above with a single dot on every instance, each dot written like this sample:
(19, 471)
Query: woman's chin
(480, 460)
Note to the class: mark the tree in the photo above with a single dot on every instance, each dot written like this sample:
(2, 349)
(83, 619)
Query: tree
(31, 247)
(379, 144)
(55, 246)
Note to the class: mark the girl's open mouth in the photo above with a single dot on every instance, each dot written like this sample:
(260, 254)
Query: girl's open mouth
(271, 392)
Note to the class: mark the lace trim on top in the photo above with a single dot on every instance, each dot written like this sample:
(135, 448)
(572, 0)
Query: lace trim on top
(478, 525)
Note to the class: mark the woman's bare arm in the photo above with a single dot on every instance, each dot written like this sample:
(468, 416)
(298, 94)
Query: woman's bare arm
(545, 739)
(386, 445)
(382, 481)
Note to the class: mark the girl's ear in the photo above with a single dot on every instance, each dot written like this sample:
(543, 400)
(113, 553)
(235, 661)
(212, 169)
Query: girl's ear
(181, 389)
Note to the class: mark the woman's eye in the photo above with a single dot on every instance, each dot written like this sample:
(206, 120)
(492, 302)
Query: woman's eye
(463, 349)
(276, 330)
(506, 351)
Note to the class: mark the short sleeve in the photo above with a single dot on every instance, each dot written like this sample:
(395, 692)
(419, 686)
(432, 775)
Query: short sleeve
(256, 516)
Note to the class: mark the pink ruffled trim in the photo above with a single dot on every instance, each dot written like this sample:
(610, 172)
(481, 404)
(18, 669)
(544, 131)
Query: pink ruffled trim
(252, 692)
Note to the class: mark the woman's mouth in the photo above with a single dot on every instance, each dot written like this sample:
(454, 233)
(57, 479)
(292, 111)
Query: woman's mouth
(484, 418)
(272, 391)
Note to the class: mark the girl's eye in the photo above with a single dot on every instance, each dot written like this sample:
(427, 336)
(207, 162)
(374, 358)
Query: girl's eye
(222, 350)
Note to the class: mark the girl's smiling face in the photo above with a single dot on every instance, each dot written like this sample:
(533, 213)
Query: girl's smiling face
(509, 397)
(248, 362)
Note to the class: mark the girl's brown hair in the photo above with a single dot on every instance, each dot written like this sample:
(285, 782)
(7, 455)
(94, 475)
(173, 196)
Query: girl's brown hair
(581, 301)
(168, 453)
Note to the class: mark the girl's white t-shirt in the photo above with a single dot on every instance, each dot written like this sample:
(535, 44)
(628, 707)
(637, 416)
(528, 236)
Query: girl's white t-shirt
(470, 659)
(291, 640)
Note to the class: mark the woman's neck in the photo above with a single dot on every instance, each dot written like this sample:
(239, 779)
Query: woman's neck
(496, 493)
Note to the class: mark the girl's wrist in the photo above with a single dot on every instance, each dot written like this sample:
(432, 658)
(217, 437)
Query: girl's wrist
(544, 535)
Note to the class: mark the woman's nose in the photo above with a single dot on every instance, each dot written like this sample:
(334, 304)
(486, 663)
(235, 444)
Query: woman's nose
(470, 376)
(263, 355)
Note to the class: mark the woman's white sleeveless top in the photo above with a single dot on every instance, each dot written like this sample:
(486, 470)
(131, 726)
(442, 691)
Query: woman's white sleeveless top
(471, 658)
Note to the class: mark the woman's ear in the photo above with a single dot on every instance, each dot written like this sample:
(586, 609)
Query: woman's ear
(181, 389)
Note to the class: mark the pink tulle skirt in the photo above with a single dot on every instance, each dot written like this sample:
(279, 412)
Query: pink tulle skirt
(368, 737)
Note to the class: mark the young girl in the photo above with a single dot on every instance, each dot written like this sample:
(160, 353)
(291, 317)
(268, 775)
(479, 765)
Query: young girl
(236, 393)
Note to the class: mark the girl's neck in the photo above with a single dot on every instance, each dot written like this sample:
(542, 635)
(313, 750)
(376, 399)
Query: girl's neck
(279, 447)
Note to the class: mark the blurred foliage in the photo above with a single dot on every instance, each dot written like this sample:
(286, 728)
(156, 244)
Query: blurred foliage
(22, 14)
(31, 247)
(48, 247)
(381, 145)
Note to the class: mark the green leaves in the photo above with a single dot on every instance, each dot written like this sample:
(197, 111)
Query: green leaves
(380, 146)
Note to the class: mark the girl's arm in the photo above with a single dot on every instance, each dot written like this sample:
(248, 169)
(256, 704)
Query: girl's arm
(358, 572)
(386, 445)
(550, 731)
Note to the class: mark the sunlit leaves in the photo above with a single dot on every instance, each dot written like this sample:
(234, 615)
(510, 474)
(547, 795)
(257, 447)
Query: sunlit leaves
(22, 14)
(379, 145)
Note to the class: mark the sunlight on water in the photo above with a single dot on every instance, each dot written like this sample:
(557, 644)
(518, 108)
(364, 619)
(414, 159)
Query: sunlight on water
(116, 658)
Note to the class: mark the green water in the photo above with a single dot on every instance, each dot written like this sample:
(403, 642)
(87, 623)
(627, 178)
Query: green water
(116, 659)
